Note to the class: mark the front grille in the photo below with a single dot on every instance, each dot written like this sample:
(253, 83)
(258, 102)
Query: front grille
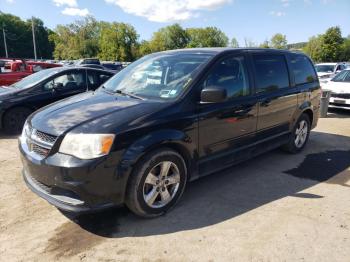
(345, 96)
(45, 137)
(41, 151)
(39, 142)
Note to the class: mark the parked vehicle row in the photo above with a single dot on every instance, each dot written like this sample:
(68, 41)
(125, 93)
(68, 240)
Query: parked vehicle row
(20, 99)
(167, 119)
(326, 71)
(340, 90)
(18, 69)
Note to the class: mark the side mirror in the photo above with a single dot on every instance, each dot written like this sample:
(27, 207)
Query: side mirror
(213, 94)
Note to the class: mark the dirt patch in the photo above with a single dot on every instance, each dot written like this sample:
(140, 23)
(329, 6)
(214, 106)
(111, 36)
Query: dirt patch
(69, 240)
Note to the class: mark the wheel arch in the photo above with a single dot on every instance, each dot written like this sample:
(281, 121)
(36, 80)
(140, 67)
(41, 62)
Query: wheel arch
(8, 109)
(168, 139)
(304, 108)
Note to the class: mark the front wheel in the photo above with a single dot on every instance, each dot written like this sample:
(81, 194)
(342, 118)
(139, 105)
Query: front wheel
(299, 136)
(157, 183)
(14, 120)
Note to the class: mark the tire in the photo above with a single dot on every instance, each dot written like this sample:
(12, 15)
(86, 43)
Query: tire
(293, 146)
(14, 120)
(148, 193)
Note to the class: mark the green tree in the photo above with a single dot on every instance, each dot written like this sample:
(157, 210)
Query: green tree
(19, 37)
(234, 43)
(345, 50)
(278, 41)
(144, 48)
(77, 40)
(265, 44)
(314, 48)
(170, 37)
(206, 37)
(332, 45)
(117, 41)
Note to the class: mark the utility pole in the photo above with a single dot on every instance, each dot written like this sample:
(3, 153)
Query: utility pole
(4, 34)
(34, 44)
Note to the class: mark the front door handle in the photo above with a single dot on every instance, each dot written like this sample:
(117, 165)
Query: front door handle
(242, 111)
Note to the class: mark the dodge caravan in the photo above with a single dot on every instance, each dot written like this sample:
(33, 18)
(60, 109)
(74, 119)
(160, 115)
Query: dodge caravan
(167, 119)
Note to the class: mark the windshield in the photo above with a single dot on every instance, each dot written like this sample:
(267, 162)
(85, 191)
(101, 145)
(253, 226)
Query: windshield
(325, 68)
(343, 76)
(35, 78)
(158, 76)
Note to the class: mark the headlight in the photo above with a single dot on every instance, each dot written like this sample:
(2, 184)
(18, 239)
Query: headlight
(25, 131)
(87, 146)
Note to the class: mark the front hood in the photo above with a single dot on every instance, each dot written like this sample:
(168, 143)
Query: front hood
(61, 117)
(338, 87)
(6, 91)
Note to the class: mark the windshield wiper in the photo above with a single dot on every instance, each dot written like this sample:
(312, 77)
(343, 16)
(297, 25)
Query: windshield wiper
(128, 94)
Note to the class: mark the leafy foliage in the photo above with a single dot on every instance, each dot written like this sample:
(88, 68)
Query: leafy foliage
(169, 37)
(206, 37)
(117, 41)
(329, 47)
(120, 41)
(279, 41)
(19, 37)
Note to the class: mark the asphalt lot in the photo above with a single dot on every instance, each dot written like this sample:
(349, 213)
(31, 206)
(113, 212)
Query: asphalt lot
(276, 207)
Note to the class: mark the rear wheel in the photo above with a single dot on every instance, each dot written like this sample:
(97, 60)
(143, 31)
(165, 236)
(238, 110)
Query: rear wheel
(299, 136)
(14, 120)
(157, 183)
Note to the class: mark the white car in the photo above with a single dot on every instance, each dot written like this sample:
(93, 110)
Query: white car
(340, 90)
(326, 71)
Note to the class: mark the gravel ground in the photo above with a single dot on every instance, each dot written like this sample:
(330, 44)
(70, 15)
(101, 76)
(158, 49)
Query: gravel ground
(277, 207)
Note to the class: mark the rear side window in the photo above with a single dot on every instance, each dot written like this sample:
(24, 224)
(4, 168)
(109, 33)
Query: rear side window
(271, 72)
(302, 69)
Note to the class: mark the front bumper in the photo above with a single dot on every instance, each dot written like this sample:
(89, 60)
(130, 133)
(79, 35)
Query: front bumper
(339, 102)
(72, 184)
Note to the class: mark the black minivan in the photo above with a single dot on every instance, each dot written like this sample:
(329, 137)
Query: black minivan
(166, 119)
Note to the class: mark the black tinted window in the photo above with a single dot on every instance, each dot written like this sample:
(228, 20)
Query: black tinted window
(271, 72)
(230, 74)
(93, 80)
(302, 69)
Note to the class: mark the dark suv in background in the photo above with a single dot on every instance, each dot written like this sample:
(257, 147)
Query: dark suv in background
(166, 119)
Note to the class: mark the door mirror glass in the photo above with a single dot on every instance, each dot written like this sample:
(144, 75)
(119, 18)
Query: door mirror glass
(213, 94)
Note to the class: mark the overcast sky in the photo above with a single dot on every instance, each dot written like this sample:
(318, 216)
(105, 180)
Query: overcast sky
(254, 20)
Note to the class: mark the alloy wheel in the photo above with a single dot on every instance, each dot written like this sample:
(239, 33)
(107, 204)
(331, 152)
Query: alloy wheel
(301, 133)
(161, 184)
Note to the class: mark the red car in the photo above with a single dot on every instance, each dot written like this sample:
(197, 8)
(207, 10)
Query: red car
(18, 69)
